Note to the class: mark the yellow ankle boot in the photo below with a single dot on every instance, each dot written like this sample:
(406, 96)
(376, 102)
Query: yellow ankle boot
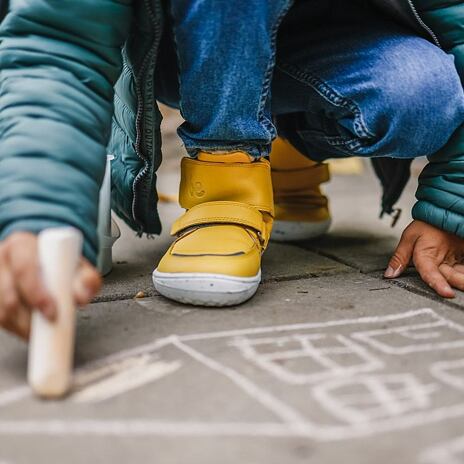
(301, 210)
(216, 257)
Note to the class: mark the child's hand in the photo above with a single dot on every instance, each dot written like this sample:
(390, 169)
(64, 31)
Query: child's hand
(437, 255)
(21, 288)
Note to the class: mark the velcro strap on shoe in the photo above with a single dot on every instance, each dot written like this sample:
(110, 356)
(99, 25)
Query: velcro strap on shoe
(221, 212)
(300, 179)
(247, 183)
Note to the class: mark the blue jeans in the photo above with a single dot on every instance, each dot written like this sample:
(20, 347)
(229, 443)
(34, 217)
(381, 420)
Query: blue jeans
(342, 79)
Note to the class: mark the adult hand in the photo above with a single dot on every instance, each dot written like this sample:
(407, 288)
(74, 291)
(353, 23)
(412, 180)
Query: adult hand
(437, 255)
(21, 287)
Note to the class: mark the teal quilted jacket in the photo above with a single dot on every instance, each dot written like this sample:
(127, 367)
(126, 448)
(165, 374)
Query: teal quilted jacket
(77, 81)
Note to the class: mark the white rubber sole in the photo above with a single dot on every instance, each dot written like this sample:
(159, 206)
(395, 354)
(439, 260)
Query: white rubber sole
(293, 231)
(212, 290)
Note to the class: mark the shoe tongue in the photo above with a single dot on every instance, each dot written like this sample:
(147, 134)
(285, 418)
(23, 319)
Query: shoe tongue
(225, 157)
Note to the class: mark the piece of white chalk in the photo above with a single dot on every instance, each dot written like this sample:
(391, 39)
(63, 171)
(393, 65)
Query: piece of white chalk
(51, 348)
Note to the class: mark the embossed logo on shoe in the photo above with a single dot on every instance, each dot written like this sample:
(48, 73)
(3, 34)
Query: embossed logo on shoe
(196, 190)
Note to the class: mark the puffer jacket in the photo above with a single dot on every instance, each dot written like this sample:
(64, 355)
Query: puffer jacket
(59, 114)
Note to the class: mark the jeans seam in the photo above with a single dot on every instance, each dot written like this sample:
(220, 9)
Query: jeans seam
(256, 150)
(351, 146)
(179, 61)
(347, 147)
(269, 126)
(340, 140)
(327, 92)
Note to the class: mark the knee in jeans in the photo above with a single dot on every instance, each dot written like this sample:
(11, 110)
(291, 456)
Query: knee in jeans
(423, 99)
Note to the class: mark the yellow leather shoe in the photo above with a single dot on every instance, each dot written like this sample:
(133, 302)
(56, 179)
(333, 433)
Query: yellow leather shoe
(301, 210)
(216, 257)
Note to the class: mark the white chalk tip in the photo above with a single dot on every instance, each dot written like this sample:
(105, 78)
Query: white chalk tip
(60, 233)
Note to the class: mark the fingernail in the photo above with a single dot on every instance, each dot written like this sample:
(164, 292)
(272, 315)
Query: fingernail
(449, 290)
(391, 273)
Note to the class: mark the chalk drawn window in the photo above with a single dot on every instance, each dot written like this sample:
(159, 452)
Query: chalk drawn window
(373, 398)
(431, 336)
(449, 372)
(307, 358)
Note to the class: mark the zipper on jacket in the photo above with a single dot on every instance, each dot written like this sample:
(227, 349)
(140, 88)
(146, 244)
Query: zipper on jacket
(422, 23)
(140, 103)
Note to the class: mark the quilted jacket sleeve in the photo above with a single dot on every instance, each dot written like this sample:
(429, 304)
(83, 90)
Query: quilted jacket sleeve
(441, 185)
(59, 61)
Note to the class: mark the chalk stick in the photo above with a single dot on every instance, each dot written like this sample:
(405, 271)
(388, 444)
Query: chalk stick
(51, 348)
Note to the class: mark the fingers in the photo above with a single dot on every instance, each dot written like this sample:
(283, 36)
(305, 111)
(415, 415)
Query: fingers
(87, 284)
(23, 261)
(13, 315)
(22, 290)
(459, 268)
(431, 275)
(454, 275)
(401, 257)
(9, 297)
(19, 323)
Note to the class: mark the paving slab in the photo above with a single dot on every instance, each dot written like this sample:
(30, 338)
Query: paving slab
(338, 368)
(359, 249)
(134, 259)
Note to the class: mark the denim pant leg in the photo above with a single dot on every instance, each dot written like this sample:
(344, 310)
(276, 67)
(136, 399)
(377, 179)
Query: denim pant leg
(226, 53)
(351, 82)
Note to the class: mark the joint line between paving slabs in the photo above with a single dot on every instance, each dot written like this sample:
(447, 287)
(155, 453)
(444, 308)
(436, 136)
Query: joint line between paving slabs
(397, 283)
(332, 257)
(309, 275)
(420, 292)
(123, 296)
